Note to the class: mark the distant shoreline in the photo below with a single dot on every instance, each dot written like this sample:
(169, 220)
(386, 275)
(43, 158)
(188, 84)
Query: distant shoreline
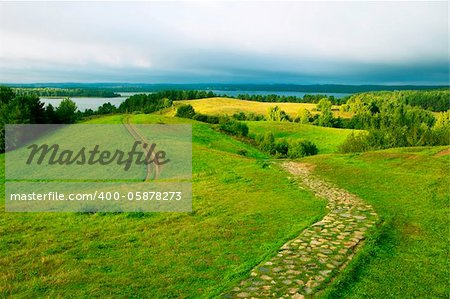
(144, 87)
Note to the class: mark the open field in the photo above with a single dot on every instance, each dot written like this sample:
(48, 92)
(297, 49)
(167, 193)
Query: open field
(239, 217)
(409, 189)
(229, 106)
(327, 140)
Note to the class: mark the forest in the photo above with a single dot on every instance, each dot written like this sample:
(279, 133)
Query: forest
(67, 92)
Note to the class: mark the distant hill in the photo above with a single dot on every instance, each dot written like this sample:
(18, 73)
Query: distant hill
(323, 88)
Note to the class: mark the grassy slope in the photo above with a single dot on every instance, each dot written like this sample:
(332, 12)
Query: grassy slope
(409, 188)
(242, 213)
(218, 106)
(326, 139)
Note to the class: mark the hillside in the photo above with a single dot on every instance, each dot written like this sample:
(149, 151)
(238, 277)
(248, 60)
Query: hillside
(230, 106)
(235, 224)
(408, 188)
(244, 210)
(327, 140)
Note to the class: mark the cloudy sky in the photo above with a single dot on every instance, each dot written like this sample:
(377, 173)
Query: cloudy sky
(225, 42)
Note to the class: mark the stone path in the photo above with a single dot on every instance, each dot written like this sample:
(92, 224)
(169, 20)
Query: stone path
(307, 263)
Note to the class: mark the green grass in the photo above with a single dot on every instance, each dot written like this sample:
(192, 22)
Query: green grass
(244, 209)
(327, 140)
(409, 188)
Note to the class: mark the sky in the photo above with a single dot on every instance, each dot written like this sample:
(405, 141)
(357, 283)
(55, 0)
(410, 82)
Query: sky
(289, 42)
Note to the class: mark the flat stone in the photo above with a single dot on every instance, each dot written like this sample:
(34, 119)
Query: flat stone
(325, 272)
(299, 282)
(277, 269)
(293, 290)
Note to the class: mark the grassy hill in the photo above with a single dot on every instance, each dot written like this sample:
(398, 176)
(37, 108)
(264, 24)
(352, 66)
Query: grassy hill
(228, 106)
(239, 218)
(244, 209)
(327, 140)
(409, 189)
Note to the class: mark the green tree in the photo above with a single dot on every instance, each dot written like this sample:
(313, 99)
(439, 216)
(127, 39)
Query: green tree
(6, 95)
(166, 102)
(185, 111)
(276, 114)
(326, 117)
(66, 111)
(267, 144)
(305, 116)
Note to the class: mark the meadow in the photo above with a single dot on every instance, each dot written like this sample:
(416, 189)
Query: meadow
(236, 223)
(244, 209)
(230, 106)
(326, 139)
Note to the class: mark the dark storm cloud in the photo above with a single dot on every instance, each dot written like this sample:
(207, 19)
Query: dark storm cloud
(254, 42)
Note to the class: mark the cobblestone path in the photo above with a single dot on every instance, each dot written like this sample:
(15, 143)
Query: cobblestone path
(308, 262)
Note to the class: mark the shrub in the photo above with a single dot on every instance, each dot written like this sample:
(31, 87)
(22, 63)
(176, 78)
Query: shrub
(251, 116)
(212, 119)
(233, 127)
(281, 148)
(276, 114)
(200, 117)
(355, 143)
(240, 116)
(302, 148)
(242, 152)
(267, 143)
(185, 111)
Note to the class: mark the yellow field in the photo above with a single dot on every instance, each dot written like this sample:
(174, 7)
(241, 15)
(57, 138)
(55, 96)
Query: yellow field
(228, 106)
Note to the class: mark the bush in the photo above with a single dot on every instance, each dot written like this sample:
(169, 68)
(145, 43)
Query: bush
(185, 111)
(251, 116)
(240, 116)
(266, 143)
(281, 148)
(212, 119)
(233, 127)
(242, 152)
(302, 148)
(200, 117)
(355, 143)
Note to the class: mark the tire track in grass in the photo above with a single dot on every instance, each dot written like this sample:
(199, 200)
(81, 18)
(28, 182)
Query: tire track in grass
(152, 170)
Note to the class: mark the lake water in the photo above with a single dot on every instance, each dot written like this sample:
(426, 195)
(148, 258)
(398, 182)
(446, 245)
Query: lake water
(93, 103)
(86, 103)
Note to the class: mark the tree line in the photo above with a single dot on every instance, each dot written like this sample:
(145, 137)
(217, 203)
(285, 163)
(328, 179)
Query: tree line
(307, 98)
(389, 123)
(28, 109)
(66, 92)
(433, 100)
